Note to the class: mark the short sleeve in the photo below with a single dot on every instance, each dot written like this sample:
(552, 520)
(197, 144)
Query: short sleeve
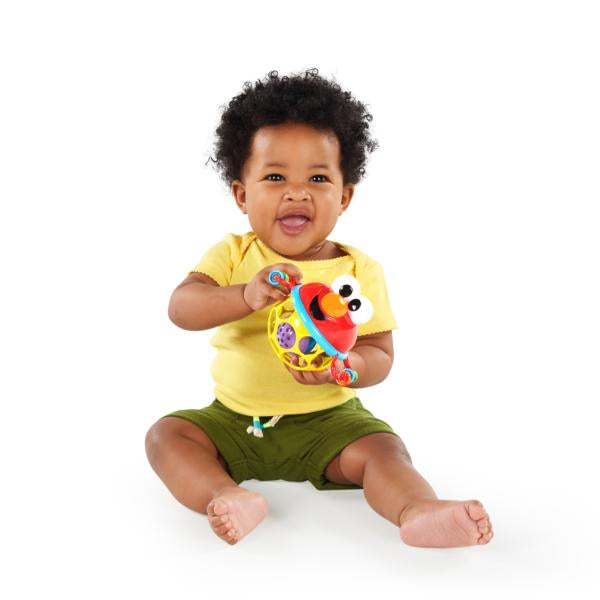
(373, 286)
(218, 261)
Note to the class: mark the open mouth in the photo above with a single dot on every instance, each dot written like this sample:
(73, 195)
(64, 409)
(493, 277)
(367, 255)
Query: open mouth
(315, 311)
(293, 225)
(294, 220)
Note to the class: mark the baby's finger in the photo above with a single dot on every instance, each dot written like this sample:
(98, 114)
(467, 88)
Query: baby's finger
(267, 288)
(304, 377)
(317, 377)
(290, 269)
(312, 378)
(277, 294)
(267, 285)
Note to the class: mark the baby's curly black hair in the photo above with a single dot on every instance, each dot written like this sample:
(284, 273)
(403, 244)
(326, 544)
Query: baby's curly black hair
(298, 98)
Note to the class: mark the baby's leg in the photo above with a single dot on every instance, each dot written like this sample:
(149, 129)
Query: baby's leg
(188, 463)
(380, 463)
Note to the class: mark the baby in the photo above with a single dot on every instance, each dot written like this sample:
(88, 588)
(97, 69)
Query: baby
(291, 149)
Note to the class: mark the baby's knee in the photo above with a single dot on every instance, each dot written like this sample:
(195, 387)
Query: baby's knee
(168, 432)
(158, 436)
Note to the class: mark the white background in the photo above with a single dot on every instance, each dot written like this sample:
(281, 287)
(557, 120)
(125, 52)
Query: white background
(481, 203)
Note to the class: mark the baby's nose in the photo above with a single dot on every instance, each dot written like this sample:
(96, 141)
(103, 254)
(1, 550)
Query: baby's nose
(298, 193)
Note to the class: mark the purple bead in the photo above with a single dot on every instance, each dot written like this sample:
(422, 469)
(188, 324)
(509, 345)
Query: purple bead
(286, 336)
(306, 344)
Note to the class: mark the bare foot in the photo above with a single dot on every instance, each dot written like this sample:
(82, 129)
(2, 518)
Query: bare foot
(445, 523)
(235, 512)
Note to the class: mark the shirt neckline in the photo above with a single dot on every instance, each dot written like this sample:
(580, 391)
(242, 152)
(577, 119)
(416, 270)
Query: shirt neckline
(316, 263)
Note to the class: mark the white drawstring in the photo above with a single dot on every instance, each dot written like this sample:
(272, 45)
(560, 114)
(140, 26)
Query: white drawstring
(257, 427)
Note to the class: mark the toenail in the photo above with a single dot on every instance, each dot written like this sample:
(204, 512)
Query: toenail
(224, 518)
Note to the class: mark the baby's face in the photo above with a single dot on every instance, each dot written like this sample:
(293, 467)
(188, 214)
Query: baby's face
(293, 169)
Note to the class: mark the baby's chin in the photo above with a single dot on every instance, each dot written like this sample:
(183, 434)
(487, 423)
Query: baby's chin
(290, 246)
(291, 251)
(309, 244)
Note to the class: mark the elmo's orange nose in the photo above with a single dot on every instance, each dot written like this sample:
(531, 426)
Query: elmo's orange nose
(334, 305)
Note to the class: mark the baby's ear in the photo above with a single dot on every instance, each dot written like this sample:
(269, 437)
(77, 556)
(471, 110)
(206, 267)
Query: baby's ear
(347, 194)
(239, 194)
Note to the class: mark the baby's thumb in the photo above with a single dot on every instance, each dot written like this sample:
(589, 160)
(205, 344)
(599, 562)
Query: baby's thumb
(292, 271)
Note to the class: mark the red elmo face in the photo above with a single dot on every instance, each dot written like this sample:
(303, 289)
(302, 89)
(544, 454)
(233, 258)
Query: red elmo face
(330, 315)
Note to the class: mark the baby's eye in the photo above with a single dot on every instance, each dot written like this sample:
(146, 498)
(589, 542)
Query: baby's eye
(277, 175)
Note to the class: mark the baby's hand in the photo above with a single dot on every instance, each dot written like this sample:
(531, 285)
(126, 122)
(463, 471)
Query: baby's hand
(259, 292)
(310, 377)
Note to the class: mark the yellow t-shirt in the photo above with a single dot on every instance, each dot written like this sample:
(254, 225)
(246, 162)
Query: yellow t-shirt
(250, 378)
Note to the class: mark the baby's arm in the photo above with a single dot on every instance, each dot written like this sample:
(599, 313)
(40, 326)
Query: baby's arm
(199, 302)
(372, 357)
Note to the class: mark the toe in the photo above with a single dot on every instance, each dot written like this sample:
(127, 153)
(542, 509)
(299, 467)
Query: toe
(221, 526)
(215, 521)
(485, 538)
(483, 525)
(221, 530)
(475, 510)
(219, 507)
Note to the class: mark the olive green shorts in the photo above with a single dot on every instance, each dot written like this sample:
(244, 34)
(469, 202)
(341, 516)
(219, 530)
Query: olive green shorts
(297, 448)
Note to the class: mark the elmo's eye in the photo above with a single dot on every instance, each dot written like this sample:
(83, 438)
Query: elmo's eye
(346, 286)
(346, 290)
(355, 304)
(361, 310)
